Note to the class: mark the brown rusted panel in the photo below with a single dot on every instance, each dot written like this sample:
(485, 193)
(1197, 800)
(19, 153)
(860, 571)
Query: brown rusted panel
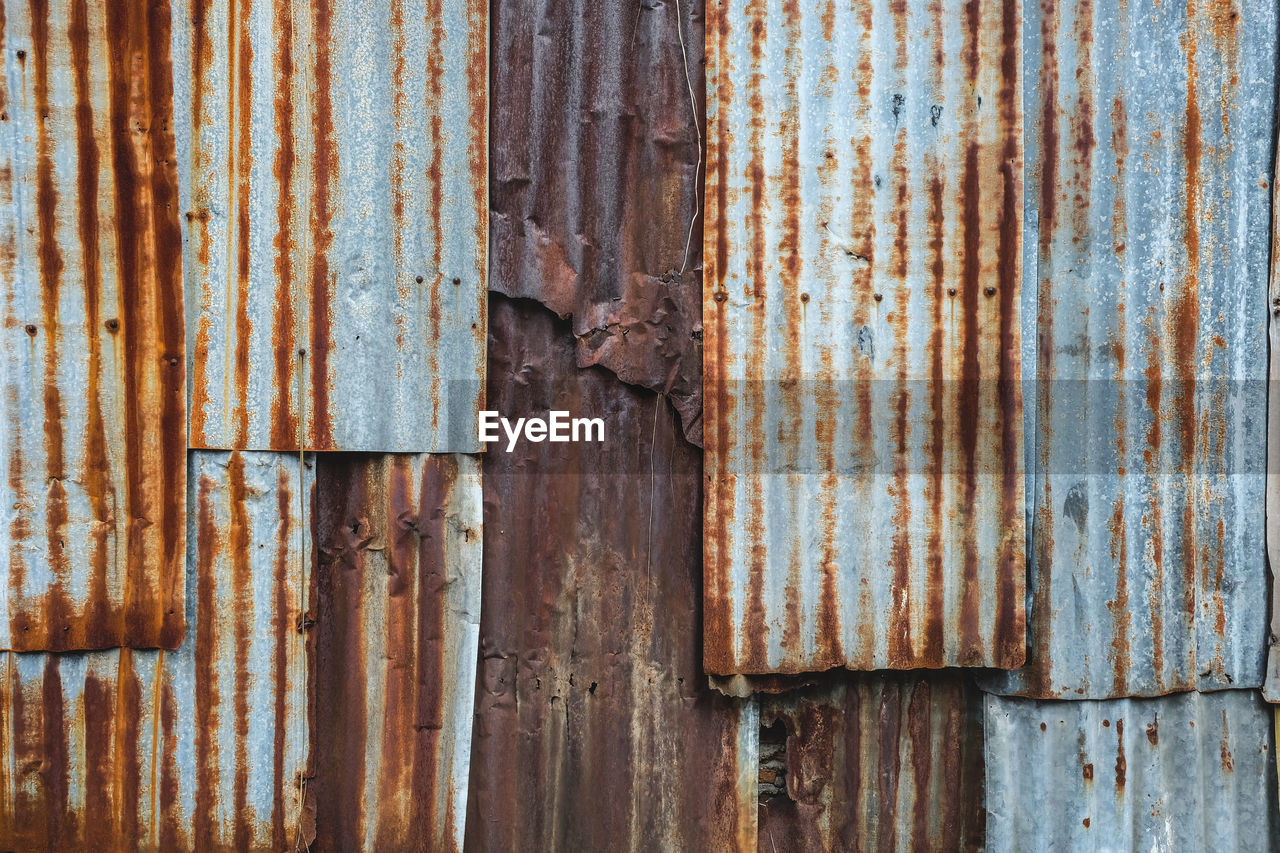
(335, 175)
(863, 412)
(596, 180)
(92, 480)
(595, 729)
(398, 542)
(873, 762)
(201, 748)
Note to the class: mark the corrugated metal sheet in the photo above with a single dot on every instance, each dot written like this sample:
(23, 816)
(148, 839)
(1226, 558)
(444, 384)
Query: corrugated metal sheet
(1194, 771)
(595, 727)
(595, 181)
(874, 762)
(397, 625)
(865, 504)
(91, 352)
(199, 748)
(334, 164)
(1152, 147)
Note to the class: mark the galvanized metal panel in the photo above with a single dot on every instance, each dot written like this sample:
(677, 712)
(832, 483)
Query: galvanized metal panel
(595, 728)
(336, 221)
(92, 413)
(1152, 151)
(596, 174)
(199, 748)
(873, 762)
(398, 621)
(865, 503)
(1194, 771)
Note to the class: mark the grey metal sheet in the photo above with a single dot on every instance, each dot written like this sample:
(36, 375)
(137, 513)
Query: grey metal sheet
(1149, 138)
(198, 748)
(334, 165)
(92, 393)
(864, 471)
(1194, 771)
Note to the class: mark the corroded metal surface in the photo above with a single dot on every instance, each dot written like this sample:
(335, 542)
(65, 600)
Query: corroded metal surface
(334, 171)
(1194, 771)
(398, 541)
(595, 728)
(596, 178)
(91, 348)
(196, 749)
(865, 469)
(1149, 138)
(874, 762)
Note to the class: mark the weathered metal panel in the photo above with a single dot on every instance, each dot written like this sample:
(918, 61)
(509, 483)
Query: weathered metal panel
(398, 620)
(1151, 151)
(198, 748)
(865, 473)
(595, 728)
(596, 176)
(1271, 684)
(335, 172)
(1194, 771)
(93, 415)
(873, 762)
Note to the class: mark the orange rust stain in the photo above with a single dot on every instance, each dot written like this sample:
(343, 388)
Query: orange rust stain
(326, 171)
(282, 633)
(55, 607)
(209, 545)
(96, 476)
(240, 49)
(284, 415)
(1121, 763)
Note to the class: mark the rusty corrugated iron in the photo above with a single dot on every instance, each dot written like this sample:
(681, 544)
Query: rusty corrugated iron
(91, 355)
(398, 542)
(202, 748)
(1192, 771)
(865, 472)
(595, 727)
(873, 762)
(596, 179)
(335, 202)
(1149, 139)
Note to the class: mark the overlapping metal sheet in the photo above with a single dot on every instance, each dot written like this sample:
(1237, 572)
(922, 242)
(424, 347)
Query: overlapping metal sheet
(874, 762)
(1194, 771)
(1150, 137)
(91, 349)
(596, 179)
(397, 622)
(595, 728)
(334, 170)
(865, 471)
(204, 747)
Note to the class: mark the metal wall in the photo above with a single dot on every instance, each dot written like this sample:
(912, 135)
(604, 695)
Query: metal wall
(874, 762)
(198, 748)
(91, 346)
(864, 470)
(397, 610)
(595, 728)
(1194, 771)
(595, 181)
(333, 159)
(1150, 134)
